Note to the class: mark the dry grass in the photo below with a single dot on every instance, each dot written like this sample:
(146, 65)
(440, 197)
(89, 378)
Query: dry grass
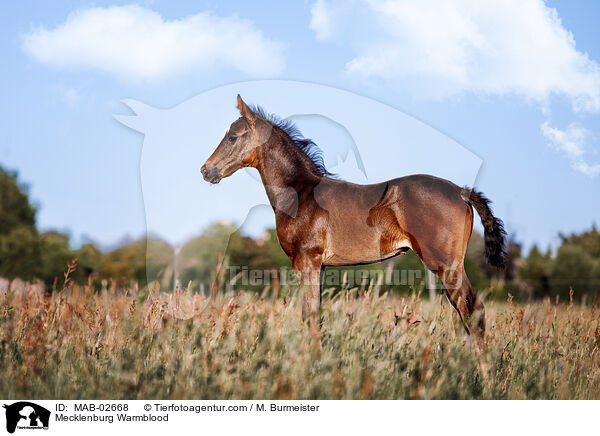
(80, 345)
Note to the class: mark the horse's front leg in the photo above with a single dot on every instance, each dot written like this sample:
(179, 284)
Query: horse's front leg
(308, 266)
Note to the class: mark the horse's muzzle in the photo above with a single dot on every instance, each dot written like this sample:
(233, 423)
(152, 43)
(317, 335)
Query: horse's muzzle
(211, 174)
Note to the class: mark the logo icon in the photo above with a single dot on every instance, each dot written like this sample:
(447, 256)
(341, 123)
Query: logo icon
(26, 415)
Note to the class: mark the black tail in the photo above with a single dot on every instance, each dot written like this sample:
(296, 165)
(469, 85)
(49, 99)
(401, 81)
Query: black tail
(494, 235)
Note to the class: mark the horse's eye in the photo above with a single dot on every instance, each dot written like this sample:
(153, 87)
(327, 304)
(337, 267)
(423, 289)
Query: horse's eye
(232, 138)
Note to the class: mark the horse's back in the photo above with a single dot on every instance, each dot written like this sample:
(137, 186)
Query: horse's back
(421, 184)
(413, 188)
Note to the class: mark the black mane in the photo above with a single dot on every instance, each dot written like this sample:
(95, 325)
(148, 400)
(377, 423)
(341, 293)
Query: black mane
(305, 145)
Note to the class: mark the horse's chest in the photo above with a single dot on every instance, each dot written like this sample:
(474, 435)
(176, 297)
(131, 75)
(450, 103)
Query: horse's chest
(286, 244)
(298, 233)
(286, 234)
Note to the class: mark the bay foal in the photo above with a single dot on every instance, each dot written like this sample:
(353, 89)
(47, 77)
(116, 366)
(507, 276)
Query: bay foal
(322, 221)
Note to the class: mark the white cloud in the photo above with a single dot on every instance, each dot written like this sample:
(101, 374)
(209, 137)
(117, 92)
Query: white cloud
(68, 94)
(132, 42)
(439, 48)
(321, 20)
(572, 143)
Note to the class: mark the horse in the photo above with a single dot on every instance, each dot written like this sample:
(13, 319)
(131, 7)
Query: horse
(323, 221)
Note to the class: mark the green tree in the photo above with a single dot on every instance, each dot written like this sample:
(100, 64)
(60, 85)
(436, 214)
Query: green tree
(159, 262)
(55, 253)
(475, 261)
(20, 253)
(15, 208)
(595, 278)
(263, 255)
(19, 239)
(409, 273)
(535, 272)
(89, 260)
(571, 269)
(589, 241)
(126, 263)
(198, 258)
(513, 258)
(275, 251)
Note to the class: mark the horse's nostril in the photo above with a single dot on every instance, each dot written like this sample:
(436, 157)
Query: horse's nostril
(210, 174)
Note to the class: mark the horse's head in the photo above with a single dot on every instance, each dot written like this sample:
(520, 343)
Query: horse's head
(239, 147)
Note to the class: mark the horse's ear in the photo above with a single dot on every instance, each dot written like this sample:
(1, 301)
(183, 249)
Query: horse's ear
(246, 111)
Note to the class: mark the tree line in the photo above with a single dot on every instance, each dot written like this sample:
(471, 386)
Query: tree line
(28, 254)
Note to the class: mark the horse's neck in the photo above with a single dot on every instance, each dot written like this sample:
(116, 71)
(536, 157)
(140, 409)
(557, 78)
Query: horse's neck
(285, 175)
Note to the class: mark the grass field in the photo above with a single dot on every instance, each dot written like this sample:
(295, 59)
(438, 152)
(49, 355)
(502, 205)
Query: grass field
(77, 344)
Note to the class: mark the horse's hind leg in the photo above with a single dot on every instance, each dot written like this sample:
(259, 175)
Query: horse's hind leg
(449, 267)
(441, 244)
(463, 298)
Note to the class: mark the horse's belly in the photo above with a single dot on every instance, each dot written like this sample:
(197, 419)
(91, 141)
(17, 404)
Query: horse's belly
(358, 249)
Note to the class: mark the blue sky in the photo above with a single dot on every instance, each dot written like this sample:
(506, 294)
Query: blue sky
(517, 84)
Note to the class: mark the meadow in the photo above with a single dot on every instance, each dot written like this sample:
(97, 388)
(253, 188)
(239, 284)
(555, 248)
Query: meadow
(141, 344)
